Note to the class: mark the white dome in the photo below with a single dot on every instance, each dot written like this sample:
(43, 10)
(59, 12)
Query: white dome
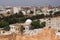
(28, 22)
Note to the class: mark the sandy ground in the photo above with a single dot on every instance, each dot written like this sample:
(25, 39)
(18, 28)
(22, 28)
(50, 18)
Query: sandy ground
(46, 34)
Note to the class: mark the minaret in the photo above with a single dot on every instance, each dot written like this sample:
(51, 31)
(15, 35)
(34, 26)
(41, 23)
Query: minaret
(34, 11)
(34, 8)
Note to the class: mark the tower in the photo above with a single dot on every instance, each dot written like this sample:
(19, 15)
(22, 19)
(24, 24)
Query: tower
(34, 7)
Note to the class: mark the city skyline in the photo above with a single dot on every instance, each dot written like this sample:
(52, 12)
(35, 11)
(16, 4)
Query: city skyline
(29, 2)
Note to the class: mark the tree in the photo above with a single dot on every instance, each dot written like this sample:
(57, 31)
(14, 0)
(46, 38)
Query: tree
(50, 11)
(8, 12)
(37, 24)
(31, 12)
(42, 15)
(5, 25)
(57, 13)
(21, 29)
(20, 14)
(43, 24)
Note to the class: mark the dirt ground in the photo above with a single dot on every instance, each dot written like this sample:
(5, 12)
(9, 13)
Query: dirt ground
(46, 34)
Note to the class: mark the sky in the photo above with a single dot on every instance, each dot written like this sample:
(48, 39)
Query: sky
(29, 2)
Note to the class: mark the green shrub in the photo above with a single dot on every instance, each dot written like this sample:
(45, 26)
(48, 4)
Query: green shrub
(5, 25)
(37, 24)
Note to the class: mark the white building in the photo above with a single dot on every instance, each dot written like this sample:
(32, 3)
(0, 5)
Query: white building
(9, 9)
(12, 28)
(2, 10)
(27, 24)
(24, 13)
(52, 22)
(16, 9)
(28, 11)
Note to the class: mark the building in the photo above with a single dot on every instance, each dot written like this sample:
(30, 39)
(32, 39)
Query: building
(27, 24)
(16, 9)
(15, 27)
(9, 9)
(52, 22)
(2, 10)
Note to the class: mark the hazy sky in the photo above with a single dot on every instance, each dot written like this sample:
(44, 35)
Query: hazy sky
(29, 2)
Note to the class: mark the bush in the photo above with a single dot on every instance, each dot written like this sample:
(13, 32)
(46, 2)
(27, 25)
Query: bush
(31, 12)
(57, 13)
(51, 12)
(37, 24)
(42, 24)
(5, 25)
